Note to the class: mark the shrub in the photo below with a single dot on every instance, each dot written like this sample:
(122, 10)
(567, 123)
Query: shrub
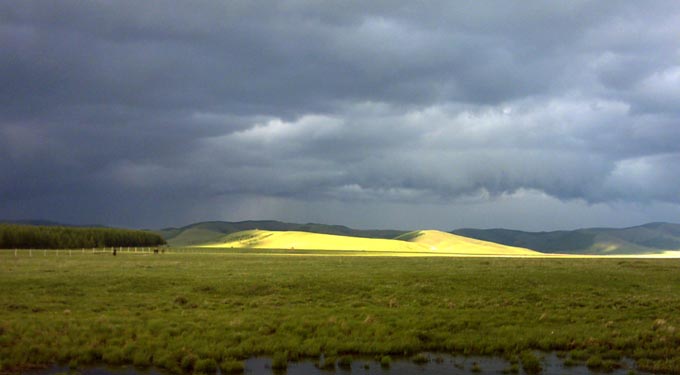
(385, 361)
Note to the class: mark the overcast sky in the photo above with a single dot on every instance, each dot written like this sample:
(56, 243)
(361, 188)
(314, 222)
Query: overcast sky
(527, 115)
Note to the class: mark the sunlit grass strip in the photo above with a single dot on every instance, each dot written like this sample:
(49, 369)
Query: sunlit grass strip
(214, 250)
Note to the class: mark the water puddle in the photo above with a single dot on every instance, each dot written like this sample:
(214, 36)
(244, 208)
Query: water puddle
(432, 364)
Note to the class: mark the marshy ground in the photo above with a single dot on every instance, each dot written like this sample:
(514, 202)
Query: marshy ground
(196, 312)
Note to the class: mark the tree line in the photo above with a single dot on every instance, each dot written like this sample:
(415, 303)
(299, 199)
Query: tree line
(13, 236)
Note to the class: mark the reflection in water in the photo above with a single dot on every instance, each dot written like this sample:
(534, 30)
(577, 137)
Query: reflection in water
(435, 365)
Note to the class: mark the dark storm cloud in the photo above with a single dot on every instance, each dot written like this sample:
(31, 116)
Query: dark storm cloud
(181, 108)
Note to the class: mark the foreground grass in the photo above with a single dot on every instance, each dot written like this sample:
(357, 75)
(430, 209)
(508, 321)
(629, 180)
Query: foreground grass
(194, 312)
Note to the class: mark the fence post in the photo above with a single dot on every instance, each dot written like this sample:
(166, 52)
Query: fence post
(15, 252)
(30, 252)
(45, 250)
(69, 252)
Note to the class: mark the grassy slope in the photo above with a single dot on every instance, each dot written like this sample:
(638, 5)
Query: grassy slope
(414, 242)
(260, 239)
(447, 242)
(193, 236)
(645, 239)
(213, 231)
(167, 309)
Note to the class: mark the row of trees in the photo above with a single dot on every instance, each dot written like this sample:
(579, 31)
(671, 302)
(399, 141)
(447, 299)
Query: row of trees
(47, 237)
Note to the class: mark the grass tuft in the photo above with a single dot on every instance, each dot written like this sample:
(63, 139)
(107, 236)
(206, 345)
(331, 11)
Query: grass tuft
(420, 358)
(530, 363)
(345, 362)
(280, 361)
(594, 362)
(188, 362)
(232, 366)
(513, 369)
(328, 363)
(206, 366)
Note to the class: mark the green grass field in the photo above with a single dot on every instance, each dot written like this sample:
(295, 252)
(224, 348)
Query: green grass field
(192, 312)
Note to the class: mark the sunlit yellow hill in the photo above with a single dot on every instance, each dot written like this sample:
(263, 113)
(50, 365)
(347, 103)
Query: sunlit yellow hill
(262, 239)
(436, 240)
(429, 241)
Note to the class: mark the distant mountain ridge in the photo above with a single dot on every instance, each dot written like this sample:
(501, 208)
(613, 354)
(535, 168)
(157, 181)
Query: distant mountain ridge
(45, 223)
(649, 238)
(49, 223)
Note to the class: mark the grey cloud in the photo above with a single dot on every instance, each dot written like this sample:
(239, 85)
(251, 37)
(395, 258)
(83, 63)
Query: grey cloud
(154, 57)
(299, 106)
(567, 149)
